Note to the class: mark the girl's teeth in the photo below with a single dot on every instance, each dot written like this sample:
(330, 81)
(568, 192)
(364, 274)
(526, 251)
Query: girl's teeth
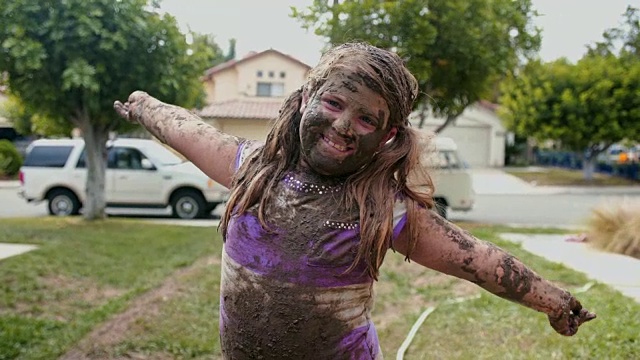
(339, 147)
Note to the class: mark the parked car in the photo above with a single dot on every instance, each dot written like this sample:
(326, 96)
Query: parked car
(140, 174)
(452, 178)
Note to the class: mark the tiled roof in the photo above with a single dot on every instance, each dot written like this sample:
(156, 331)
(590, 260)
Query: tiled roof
(232, 63)
(243, 109)
(488, 105)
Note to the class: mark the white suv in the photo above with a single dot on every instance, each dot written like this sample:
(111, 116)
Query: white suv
(140, 174)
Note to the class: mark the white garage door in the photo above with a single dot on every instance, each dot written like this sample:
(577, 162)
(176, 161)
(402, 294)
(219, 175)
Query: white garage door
(473, 144)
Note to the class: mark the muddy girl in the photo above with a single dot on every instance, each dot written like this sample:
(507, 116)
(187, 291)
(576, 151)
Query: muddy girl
(315, 209)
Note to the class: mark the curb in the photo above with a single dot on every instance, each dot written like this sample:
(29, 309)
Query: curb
(9, 184)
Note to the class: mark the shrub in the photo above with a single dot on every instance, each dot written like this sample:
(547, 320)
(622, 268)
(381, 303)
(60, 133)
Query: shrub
(615, 227)
(10, 159)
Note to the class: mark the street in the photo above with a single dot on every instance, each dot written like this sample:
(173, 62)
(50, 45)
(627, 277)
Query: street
(12, 205)
(560, 210)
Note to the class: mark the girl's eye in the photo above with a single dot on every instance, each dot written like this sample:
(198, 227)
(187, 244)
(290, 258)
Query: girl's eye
(333, 103)
(368, 120)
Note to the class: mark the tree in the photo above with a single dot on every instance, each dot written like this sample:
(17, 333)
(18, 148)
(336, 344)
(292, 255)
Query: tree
(623, 40)
(69, 60)
(231, 54)
(585, 106)
(457, 49)
(27, 122)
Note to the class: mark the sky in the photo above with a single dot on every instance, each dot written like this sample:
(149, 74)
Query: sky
(568, 26)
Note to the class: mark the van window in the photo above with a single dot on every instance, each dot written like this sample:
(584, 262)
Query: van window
(48, 156)
(448, 159)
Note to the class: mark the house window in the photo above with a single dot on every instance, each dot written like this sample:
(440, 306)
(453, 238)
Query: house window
(282, 74)
(259, 73)
(270, 89)
(271, 74)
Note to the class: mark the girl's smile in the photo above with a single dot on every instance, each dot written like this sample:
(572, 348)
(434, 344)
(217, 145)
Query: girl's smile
(343, 125)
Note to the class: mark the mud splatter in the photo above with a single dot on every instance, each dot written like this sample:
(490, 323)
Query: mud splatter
(463, 238)
(267, 318)
(515, 278)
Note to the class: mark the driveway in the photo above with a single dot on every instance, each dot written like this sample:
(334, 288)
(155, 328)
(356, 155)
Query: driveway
(490, 181)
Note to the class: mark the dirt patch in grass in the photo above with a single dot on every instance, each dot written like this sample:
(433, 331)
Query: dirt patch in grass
(65, 296)
(564, 177)
(99, 343)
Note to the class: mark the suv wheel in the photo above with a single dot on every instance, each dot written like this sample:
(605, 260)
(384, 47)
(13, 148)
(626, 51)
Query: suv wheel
(188, 204)
(63, 203)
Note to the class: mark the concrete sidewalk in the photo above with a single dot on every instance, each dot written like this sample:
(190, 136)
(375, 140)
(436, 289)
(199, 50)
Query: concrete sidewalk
(618, 271)
(7, 250)
(9, 184)
(494, 181)
(497, 182)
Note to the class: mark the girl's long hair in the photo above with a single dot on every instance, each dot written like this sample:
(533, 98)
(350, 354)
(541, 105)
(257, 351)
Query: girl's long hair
(375, 188)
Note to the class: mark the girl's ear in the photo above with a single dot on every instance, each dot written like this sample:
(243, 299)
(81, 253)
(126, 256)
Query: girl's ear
(390, 135)
(305, 100)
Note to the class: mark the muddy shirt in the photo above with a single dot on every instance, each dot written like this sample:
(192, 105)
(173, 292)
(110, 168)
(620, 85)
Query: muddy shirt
(284, 290)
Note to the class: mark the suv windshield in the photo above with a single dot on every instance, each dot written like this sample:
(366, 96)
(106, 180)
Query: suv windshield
(160, 155)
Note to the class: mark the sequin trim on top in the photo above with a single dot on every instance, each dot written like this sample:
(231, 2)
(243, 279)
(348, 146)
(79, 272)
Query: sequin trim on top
(341, 225)
(309, 188)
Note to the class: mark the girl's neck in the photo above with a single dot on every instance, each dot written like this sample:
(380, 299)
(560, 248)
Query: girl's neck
(303, 172)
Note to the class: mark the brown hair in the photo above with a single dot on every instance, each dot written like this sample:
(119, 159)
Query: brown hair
(374, 188)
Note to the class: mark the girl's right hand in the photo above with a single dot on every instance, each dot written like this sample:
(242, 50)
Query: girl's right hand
(131, 110)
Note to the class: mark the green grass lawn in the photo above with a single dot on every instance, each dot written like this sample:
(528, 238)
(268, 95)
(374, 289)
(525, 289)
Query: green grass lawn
(565, 177)
(161, 285)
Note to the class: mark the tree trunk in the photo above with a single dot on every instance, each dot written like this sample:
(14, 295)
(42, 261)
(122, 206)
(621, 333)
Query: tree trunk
(588, 167)
(95, 139)
(446, 123)
(423, 114)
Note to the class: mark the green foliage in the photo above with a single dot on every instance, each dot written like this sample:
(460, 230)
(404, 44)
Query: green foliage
(231, 53)
(72, 59)
(586, 106)
(457, 49)
(623, 40)
(27, 122)
(69, 60)
(10, 159)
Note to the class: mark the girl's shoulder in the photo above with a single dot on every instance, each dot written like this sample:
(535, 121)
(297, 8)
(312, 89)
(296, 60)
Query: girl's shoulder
(245, 150)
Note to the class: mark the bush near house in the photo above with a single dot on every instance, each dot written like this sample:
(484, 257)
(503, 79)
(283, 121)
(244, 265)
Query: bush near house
(615, 227)
(10, 159)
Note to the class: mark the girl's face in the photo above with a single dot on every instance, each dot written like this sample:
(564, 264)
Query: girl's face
(344, 124)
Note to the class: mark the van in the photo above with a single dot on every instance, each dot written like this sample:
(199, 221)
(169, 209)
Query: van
(451, 176)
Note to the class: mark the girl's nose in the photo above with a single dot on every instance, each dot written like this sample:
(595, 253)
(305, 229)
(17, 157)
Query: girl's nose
(342, 124)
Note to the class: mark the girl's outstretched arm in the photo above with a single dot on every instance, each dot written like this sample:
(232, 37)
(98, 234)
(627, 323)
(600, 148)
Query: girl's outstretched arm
(445, 247)
(209, 149)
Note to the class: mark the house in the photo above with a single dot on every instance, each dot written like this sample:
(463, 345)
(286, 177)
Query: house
(478, 132)
(243, 95)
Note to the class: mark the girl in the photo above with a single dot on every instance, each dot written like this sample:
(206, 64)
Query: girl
(314, 210)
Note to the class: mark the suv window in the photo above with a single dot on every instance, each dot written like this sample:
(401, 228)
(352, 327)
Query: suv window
(118, 158)
(125, 158)
(48, 156)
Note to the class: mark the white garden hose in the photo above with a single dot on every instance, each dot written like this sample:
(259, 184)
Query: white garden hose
(414, 329)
